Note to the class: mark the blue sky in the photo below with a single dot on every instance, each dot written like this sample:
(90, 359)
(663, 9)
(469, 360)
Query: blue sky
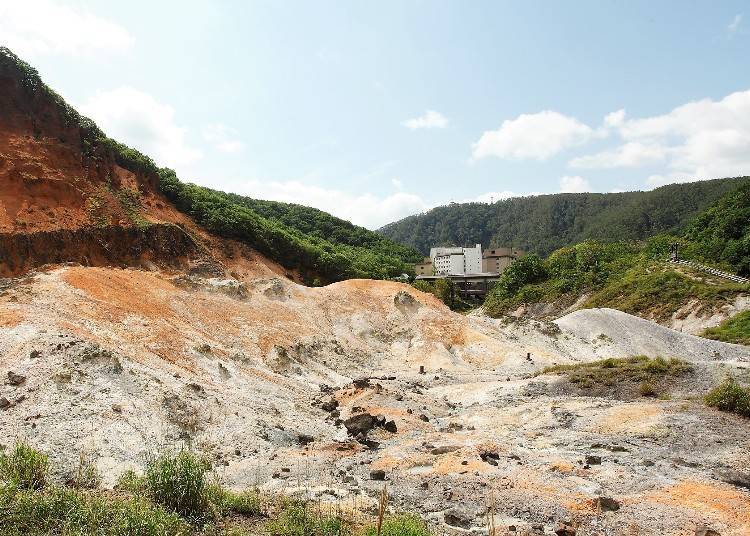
(377, 110)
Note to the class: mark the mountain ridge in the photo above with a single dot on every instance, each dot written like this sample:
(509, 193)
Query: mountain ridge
(541, 224)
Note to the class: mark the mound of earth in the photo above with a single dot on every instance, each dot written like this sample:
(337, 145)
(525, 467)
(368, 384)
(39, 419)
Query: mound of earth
(262, 374)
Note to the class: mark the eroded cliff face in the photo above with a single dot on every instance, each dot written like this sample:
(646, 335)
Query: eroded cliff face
(56, 171)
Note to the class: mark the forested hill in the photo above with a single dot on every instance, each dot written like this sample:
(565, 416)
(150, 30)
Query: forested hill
(544, 223)
(89, 173)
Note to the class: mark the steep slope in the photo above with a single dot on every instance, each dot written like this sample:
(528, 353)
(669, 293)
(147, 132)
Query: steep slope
(542, 224)
(60, 172)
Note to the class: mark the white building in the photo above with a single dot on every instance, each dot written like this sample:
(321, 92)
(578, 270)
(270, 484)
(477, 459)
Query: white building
(457, 261)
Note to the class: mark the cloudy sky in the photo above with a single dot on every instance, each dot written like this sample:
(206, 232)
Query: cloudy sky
(376, 110)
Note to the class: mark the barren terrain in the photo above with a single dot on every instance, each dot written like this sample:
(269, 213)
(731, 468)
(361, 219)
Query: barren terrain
(264, 374)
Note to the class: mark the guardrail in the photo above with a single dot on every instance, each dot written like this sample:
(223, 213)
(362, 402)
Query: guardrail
(713, 271)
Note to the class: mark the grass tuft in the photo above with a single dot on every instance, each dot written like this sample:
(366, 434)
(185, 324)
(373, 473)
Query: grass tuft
(401, 525)
(730, 396)
(71, 512)
(735, 330)
(296, 518)
(179, 483)
(24, 467)
(610, 372)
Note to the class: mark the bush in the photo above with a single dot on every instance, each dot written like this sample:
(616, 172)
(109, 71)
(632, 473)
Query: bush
(730, 396)
(401, 525)
(647, 389)
(24, 467)
(178, 482)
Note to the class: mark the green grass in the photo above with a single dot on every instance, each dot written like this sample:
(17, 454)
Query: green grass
(401, 525)
(730, 396)
(70, 512)
(735, 330)
(657, 290)
(610, 372)
(174, 497)
(24, 467)
(179, 483)
(629, 277)
(298, 518)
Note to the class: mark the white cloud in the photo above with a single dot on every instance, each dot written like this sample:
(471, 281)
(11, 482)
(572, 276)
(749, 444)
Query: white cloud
(365, 209)
(430, 119)
(631, 154)
(397, 184)
(698, 140)
(491, 197)
(536, 136)
(614, 119)
(222, 138)
(574, 184)
(137, 119)
(35, 27)
(735, 24)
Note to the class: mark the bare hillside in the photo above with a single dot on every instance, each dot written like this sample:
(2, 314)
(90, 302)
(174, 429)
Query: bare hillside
(265, 375)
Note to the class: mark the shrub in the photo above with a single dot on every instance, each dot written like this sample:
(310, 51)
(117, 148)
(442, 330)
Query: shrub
(647, 389)
(178, 482)
(129, 481)
(730, 396)
(86, 476)
(24, 467)
(296, 518)
(401, 525)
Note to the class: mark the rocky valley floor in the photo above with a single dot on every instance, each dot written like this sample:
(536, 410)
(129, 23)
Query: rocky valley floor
(333, 391)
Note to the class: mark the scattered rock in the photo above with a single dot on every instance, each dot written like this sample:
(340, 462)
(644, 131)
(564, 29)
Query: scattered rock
(34, 354)
(390, 426)
(377, 474)
(705, 531)
(564, 529)
(16, 379)
(305, 439)
(330, 405)
(360, 424)
(361, 383)
(607, 504)
(4, 403)
(489, 457)
(117, 408)
(423, 417)
(456, 518)
(593, 460)
(444, 449)
(735, 478)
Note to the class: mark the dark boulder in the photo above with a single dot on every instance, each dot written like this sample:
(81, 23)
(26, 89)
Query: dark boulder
(360, 424)
(377, 474)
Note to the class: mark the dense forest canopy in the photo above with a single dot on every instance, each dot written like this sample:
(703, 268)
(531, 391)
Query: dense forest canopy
(542, 224)
(632, 275)
(319, 246)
